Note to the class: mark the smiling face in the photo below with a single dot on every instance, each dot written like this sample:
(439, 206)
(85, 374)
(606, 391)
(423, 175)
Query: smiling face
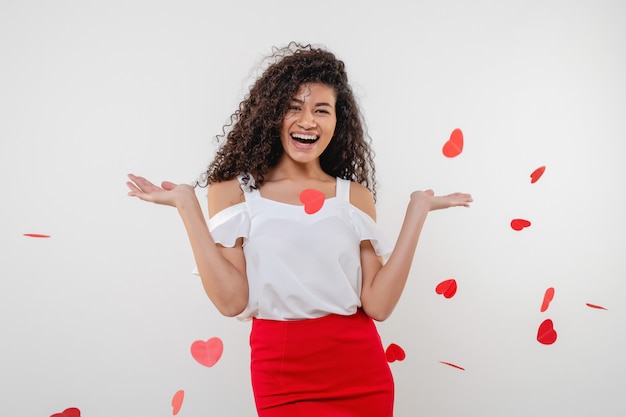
(309, 123)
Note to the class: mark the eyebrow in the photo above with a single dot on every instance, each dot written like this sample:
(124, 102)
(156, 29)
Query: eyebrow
(322, 103)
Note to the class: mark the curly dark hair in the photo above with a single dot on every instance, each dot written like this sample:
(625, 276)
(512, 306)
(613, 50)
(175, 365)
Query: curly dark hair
(252, 138)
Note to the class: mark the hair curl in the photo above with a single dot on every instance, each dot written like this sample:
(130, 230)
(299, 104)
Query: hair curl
(252, 137)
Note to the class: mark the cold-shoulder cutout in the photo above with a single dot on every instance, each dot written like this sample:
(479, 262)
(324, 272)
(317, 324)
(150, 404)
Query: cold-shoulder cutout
(224, 194)
(361, 197)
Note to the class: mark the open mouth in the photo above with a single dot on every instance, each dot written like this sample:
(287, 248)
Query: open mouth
(306, 139)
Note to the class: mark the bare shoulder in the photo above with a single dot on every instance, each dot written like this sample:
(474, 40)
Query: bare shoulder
(362, 198)
(224, 194)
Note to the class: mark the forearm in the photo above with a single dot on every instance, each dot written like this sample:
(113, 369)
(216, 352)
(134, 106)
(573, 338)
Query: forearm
(385, 288)
(225, 284)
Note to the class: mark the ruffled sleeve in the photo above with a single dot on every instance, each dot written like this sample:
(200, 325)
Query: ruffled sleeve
(228, 225)
(367, 229)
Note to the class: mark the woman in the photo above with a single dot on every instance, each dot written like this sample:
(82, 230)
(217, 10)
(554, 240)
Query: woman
(292, 243)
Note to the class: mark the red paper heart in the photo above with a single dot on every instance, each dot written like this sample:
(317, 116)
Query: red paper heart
(207, 352)
(546, 333)
(395, 353)
(536, 174)
(452, 365)
(313, 200)
(68, 412)
(547, 299)
(177, 401)
(519, 224)
(36, 235)
(454, 146)
(447, 288)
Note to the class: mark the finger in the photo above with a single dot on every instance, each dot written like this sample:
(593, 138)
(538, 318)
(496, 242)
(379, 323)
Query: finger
(168, 185)
(142, 183)
(133, 187)
(466, 200)
(136, 191)
(133, 177)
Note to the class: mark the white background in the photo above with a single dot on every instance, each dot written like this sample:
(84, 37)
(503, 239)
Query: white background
(101, 315)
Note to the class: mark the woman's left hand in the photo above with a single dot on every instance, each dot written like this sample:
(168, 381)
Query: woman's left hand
(434, 202)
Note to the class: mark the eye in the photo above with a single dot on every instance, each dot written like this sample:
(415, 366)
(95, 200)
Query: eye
(323, 111)
(294, 107)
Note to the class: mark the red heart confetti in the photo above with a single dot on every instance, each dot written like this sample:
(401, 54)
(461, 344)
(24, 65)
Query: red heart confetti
(547, 299)
(207, 352)
(519, 224)
(596, 306)
(177, 401)
(36, 235)
(447, 288)
(68, 412)
(546, 333)
(536, 174)
(394, 353)
(454, 146)
(313, 200)
(452, 365)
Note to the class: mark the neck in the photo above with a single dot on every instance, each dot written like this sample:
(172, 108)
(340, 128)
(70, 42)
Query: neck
(287, 168)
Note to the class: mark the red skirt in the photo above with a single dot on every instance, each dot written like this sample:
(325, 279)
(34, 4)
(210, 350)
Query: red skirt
(333, 366)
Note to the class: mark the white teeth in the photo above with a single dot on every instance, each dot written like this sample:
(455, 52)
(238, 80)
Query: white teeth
(304, 137)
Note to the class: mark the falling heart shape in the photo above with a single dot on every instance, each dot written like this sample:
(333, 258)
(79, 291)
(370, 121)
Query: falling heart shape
(596, 306)
(177, 401)
(447, 288)
(207, 352)
(546, 334)
(536, 174)
(68, 412)
(519, 224)
(313, 200)
(452, 365)
(36, 235)
(454, 146)
(395, 353)
(547, 299)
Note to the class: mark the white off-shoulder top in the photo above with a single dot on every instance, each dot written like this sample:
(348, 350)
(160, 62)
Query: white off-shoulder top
(299, 265)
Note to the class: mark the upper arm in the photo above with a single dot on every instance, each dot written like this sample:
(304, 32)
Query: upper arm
(362, 198)
(222, 195)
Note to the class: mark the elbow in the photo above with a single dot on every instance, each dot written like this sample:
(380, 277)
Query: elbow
(230, 312)
(230, 306)
(380, 314)
(380, 317)
(376, 307)
(229, 302)
(231, 309)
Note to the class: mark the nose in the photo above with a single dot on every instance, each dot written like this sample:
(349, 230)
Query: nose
(307, 121)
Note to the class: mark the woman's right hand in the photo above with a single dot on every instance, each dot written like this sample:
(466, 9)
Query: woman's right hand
(168, 193)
